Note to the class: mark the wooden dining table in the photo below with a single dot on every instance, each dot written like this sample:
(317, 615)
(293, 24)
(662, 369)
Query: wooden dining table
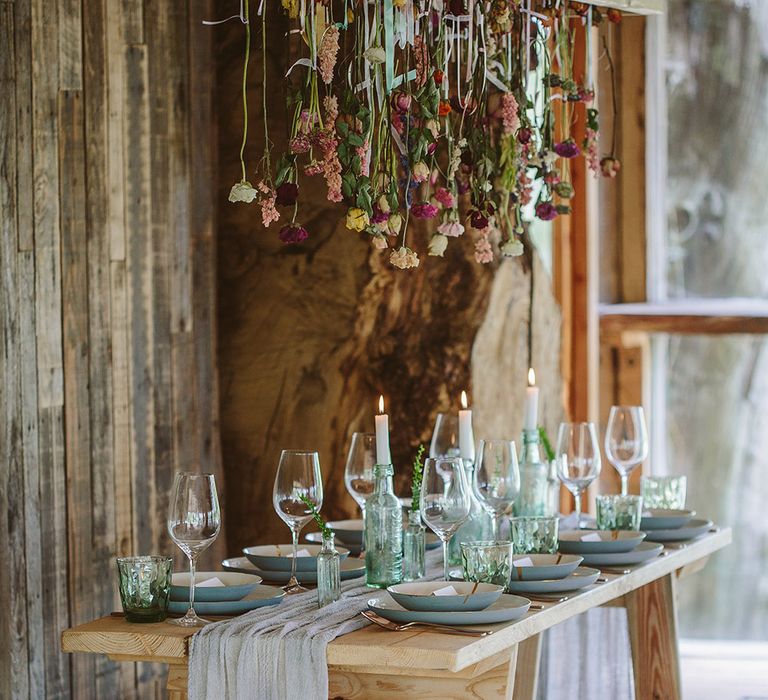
(375, 663)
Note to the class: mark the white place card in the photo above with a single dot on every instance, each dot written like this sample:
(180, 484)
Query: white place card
(591, 537)
(301, 553)
(647, 514)
(214, 582)
(523, 562)
(447, 590)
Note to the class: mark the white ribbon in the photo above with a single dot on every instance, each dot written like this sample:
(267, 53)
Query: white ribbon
(240, 16)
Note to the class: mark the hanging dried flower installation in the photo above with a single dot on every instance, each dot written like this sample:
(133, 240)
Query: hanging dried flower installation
(455, 111)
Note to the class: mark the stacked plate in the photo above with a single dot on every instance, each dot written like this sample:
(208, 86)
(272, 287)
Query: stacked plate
(221, 593)
(273, 563)
(349, 534)
(667, 525)
(609, 547)
(449, 603)
(550, 573)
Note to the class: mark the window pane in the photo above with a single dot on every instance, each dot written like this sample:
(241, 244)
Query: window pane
(717, 433)
(717, 153)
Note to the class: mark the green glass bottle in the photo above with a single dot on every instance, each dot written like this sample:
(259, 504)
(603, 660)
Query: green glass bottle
(535, 485)
(383, 531)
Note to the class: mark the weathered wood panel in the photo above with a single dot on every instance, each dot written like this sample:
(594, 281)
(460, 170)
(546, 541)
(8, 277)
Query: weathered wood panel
(104, 261)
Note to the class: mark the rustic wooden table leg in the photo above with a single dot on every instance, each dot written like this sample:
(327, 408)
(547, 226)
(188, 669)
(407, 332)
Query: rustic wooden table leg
(527, 672)
(176, 685)
(652, 619)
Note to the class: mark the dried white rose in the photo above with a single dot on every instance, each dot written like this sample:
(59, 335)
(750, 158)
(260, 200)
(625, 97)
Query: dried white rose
(384, 204)
(437, 244)
(379, 242)
(404, 258)
(451, 228)
(512, 248)
(242, 191)
(394, 223)
(375, 54)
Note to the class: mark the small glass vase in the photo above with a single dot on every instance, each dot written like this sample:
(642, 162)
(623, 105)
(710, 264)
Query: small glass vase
(383, 531)
(477, 527)
(414, 547)
(535, 480)
(328, 573)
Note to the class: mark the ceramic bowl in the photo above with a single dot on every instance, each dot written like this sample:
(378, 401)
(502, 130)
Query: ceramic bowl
(470, 596)
(348, 531)
(235, 586)
(544, 566)
(599, 541)
(664, 518)
(277, 557)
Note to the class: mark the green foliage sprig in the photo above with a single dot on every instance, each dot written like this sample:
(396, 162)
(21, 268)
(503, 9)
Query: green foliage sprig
(544, 438)
(327, 532)
(416, 476)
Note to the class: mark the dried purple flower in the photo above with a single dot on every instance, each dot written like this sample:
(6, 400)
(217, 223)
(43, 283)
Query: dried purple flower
(293, 233)
(567, 149)
(546, 211)
(424, 210)
(478, 220)
(287, 194)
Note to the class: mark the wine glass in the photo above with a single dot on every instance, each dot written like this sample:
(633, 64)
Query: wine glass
(577, 456)
(358, 473)
(194, 522)
(445, 500)
(298, 474)
(626, 441)
(445, 436)
(497, 478)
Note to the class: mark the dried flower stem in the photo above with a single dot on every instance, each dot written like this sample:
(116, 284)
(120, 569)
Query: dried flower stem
(245, 92)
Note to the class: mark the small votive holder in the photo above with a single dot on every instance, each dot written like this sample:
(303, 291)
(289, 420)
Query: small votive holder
(487, 562)
(663, 491)
(534, 535)
(145, 587)
(619, 512)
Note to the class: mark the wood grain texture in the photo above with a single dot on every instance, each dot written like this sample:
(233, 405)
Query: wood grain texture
(100, 242)
(652, 625)
(527, 670)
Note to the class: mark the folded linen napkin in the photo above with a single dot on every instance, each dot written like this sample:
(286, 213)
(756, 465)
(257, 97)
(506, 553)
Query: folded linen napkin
(279, 652)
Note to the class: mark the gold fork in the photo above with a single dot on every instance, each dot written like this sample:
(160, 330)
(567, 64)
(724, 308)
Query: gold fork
(399, 627)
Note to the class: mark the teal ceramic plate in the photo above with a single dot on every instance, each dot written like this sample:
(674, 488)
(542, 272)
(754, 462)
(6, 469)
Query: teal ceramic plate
(691, 529)
(582, 577)
(276, 557)
(505, 609)
(643, 552)
(571, 542)
(664, 519)
(236, 585)
(348, 531)
(350, 568)
(545, 566)
(257, 598)
(469, 596)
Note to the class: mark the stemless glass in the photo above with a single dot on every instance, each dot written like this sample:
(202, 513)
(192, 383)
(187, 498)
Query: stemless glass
(445, 436)
(298, 474)
(626, 441)
(194, 522)
(358, 472)
(578, 459)
(445, 499)
(497, 478)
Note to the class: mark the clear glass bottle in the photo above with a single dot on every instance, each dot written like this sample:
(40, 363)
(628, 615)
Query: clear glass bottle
(414, 547)
(478, 527)
(328, 572)
(535, 484)
(383, 531)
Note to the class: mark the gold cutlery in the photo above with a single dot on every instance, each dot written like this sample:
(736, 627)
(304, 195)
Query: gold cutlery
(618, 572)
(396, 627)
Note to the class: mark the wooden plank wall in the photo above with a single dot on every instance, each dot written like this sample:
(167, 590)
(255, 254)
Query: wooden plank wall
(107, 312)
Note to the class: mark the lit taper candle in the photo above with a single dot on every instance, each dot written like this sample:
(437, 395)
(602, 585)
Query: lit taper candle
(531, 402)
(382, 435)
(466, 436)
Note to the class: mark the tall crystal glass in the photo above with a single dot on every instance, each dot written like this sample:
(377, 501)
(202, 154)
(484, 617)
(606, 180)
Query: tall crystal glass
(445, 499)
(626, 441)
(577, 455)
(358, 472)
(298, 474)
(445, 436)
(497, 478)
(194, 522)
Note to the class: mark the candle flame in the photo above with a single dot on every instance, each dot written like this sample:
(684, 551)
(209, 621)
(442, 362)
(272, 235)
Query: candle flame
(463, 399)
(381, 404)
(531, 377)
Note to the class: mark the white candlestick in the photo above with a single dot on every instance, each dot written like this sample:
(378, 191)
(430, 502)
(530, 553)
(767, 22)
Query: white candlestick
(382, 435)
(531, 402)
(466, 436)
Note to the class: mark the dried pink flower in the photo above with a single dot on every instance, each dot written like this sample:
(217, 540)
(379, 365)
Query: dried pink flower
(424, 210)
(269, 211)
(509, 117)
(483, 250)
(331, 107)
(445, 198)
(326, 56)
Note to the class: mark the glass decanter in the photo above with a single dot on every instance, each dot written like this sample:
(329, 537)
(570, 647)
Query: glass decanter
(477, 527)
